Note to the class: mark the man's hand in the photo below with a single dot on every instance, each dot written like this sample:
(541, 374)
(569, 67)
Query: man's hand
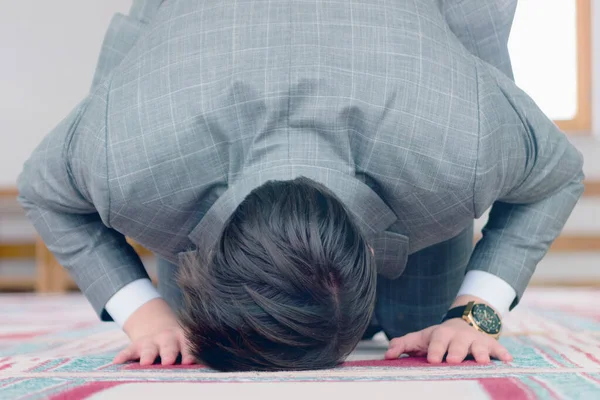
(154, 331)
(456, 337)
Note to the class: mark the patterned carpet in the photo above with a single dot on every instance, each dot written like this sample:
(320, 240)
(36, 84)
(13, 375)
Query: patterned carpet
(54, 347)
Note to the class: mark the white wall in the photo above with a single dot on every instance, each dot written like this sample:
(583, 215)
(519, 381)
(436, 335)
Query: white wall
(49, 51)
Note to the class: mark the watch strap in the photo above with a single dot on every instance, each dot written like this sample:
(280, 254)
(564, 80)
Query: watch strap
(456, 312)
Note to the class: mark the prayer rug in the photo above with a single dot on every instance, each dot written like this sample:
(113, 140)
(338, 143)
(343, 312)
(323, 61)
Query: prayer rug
(55, 347)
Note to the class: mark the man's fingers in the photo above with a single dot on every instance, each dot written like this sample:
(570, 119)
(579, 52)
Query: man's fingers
(187, 359)
(169, 352)
(498, 351)
(148, 354)
(397, 346)
(127, 354)
(186, 355)
(409, 343)
(457, 350)
(438, 345)
(439, 340)
(480, 351)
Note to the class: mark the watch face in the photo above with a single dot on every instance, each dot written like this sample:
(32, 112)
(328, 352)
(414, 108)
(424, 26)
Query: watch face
(486, 319)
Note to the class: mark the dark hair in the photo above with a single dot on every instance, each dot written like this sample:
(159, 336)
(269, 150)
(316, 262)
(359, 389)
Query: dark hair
(289, 285)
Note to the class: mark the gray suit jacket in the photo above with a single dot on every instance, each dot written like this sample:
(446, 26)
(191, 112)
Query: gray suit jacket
(406, 109)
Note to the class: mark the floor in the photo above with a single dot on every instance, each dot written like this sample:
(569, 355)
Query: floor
(54, 347)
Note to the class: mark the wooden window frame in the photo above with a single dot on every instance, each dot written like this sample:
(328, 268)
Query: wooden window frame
(581, 124)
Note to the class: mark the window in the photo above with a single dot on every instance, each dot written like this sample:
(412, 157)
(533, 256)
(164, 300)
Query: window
(551, 56)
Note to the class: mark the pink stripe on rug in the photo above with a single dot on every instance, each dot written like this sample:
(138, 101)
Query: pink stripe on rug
(22, 336)
(589, 355)
(86, 390)
(404, 362)
(136, 366)
(6, 366)
(543, 384)
(505, 388)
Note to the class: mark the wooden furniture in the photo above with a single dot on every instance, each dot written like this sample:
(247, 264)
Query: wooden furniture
(51, 277)
(8, 282)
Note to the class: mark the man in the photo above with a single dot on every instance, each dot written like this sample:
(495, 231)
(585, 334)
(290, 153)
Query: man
(307, 172)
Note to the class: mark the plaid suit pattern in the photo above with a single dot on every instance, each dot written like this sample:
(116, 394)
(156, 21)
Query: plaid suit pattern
(405, 109)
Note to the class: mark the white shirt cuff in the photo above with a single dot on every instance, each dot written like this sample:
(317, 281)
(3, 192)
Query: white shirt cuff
(129, 298)
(490, 288)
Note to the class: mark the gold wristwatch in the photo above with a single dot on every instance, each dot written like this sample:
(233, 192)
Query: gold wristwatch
(480, 316)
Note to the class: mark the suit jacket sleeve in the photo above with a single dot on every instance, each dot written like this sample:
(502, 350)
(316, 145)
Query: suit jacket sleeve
(529, 171)
(483, 27)
(64, 184)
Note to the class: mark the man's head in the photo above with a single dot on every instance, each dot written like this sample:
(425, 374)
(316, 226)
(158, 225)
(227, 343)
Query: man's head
(290, 284)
